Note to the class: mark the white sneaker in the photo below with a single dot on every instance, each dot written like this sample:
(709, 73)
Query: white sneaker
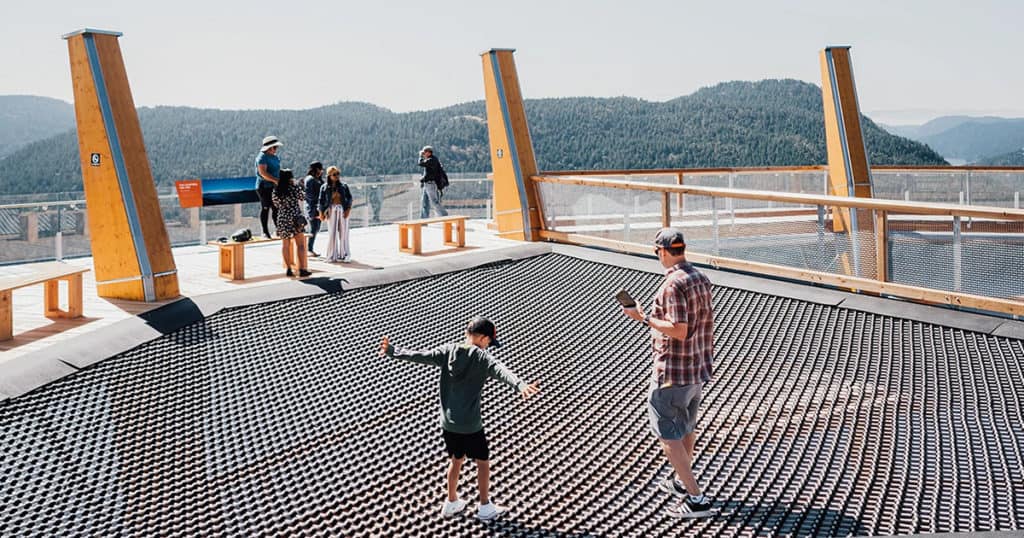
(346, 259)
(671, 485)
(452, 508)
(489, 511)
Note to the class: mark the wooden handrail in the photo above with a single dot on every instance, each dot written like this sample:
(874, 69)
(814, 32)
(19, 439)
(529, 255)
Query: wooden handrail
(688, 171)
(890, 206)
(942, 168)
(779, 169)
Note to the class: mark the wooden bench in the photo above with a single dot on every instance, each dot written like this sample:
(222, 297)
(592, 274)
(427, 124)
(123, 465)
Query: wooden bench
(410, 236)
(50, 274)
(232, 256)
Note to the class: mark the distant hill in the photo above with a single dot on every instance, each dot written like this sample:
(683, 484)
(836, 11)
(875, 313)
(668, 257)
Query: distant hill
(1013, 158)
(967, 138)
(936, 126)
(771, 122)
(973, 140)
(26, 118)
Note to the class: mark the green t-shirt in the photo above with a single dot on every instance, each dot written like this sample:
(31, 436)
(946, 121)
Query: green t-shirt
(464, 370)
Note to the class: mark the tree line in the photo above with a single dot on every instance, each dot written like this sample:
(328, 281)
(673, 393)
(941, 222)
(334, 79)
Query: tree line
(766, 123)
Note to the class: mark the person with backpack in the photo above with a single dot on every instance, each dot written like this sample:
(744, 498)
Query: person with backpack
(311, 185)
(465, 368)
(432, 184)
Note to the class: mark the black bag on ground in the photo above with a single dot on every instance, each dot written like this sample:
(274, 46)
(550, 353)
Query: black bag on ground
(242, 235)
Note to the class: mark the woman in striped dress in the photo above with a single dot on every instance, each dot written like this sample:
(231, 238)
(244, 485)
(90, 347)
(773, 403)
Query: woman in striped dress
(335, 207)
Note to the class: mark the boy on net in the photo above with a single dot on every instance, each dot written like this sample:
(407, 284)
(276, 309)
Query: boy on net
(465, 367)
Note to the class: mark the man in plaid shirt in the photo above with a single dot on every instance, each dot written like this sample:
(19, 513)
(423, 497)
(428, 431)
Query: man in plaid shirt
(682, 329)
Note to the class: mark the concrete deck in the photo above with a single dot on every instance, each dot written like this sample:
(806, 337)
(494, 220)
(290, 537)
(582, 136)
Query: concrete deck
(373, 248)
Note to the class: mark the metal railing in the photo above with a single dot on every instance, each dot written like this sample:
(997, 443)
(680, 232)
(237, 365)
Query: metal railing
(58, 228)
(965, 255)
(971, 185)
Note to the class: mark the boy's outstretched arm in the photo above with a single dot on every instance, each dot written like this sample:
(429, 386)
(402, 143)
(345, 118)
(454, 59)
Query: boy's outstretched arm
(500, 372)
(433, 357)
(530, 390)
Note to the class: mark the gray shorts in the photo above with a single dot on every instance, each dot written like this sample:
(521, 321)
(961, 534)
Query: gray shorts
(673, 410)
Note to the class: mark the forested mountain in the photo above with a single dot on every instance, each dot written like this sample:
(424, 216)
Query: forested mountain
(27, 118)
(772, 122)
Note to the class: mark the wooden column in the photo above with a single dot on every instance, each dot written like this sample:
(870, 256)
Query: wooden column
(849, 171)
(516, 204)
(130, 247)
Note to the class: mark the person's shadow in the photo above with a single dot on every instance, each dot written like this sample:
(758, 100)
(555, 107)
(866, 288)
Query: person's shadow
(768, 519)
(777, 518)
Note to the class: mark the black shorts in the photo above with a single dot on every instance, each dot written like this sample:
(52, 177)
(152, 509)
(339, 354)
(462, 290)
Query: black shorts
(266, 196)
(460, 445)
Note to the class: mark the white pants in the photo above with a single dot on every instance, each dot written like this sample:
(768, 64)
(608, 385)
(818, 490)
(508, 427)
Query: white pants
(337, 235)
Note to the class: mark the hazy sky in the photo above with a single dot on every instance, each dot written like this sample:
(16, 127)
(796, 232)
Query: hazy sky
(913, 60)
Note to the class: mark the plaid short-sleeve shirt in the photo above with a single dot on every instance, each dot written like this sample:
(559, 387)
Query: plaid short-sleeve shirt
(684, 297)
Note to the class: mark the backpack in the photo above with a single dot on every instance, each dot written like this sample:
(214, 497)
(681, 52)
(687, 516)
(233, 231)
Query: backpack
(242, 235)
(442, 180)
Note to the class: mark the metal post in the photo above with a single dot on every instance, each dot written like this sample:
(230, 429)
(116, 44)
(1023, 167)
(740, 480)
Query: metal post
(729, 202)
(906, 195)
(202, 232)
(666, 210)
(58, 245)
(366, 215)
(679, 199)
(488, 215)
(881, 246)
(824, 181)
(967, 187)
(1016, 200)
(410, 210)
(714, 224)
(854, 241)
(957, 255)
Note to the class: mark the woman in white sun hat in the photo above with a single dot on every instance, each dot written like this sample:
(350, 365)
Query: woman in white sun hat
(268, 172)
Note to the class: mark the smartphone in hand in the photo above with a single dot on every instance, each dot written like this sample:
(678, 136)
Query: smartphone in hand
(625, 300)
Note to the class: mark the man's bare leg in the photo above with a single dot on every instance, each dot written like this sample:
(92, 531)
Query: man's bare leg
(454, 467)
(689, 443)
(483, 479)
(681, 460)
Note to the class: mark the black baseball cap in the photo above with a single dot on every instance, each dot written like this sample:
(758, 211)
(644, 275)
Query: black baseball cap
(316, 165)
(484, 326)
(670, 238)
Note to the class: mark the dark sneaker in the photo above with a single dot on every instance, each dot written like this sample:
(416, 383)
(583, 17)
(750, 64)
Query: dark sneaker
(671, 485)
(304, 273)
(289, 272)
(688, 508)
